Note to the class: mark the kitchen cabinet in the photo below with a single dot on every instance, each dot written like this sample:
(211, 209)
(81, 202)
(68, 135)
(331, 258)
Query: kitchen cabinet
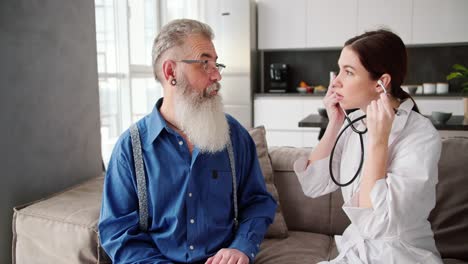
(323, 24)
(330, 23)
(436, 21)
(233, 23)
(281, 24)
(395, 15)
(281, 115)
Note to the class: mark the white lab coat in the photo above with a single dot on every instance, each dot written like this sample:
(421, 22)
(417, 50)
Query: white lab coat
(395, 229)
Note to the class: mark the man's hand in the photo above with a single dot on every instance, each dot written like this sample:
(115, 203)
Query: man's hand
(228, 256)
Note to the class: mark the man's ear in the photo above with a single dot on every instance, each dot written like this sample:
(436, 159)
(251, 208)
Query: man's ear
(168, 70)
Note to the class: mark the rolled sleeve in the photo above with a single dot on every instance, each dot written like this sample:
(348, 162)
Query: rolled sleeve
(315, 178)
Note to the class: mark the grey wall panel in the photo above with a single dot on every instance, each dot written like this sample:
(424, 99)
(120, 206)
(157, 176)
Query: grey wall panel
(49, 104)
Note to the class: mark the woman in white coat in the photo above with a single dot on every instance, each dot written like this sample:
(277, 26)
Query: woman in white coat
(390, 200)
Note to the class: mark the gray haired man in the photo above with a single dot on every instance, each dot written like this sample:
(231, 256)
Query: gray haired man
(206, 197)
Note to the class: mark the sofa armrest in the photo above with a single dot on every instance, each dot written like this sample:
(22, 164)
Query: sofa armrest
(61, 228)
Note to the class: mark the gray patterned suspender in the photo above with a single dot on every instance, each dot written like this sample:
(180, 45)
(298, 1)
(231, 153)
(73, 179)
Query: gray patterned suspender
(234, 182)
(141, 179)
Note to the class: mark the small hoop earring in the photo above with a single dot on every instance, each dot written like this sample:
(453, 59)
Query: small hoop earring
(173, 82)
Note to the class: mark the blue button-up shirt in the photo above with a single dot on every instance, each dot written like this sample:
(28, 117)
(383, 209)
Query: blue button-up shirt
(189, 198)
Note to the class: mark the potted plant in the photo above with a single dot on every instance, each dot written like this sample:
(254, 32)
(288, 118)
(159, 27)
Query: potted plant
(461, 72)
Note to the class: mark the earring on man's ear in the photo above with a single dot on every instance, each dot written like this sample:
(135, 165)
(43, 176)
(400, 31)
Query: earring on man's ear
(173, 82)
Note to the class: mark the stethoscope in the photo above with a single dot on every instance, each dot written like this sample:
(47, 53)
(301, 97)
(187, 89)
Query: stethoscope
(360, 133)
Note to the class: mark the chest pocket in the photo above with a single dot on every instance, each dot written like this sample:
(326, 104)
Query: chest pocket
(220, 184)
(220, 195)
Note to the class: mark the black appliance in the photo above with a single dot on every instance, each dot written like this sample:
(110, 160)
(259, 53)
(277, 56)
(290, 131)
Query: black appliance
(278, 78)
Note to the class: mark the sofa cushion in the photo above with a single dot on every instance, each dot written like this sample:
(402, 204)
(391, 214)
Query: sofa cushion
(46, 231)
(278, 228)
(322, 215)
(299, 247)
(449, 218)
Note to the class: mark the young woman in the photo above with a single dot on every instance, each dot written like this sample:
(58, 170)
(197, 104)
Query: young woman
(394, 191)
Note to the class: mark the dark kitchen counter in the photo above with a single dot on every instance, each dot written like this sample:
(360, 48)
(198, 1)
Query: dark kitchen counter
(320, 95)
(455, 123)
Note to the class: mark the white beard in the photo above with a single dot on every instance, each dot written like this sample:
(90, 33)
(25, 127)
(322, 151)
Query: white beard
(201, 117)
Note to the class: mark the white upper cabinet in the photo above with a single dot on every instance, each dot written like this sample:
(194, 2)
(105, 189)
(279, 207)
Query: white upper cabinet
(394, 15)
(330, 23)
(281, 24)
(436, 21)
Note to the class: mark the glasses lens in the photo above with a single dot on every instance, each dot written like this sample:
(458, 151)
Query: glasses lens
(211, 66)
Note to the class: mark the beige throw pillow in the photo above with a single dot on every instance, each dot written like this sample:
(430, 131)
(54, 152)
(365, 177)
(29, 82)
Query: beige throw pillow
(278, 228)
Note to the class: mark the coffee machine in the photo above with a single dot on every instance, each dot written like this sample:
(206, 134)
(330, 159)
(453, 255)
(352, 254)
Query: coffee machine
(278, 78)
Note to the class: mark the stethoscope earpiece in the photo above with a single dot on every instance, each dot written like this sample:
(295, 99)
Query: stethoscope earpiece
(379, 82)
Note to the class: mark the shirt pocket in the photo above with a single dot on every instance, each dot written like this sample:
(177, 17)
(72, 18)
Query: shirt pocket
(220, 196)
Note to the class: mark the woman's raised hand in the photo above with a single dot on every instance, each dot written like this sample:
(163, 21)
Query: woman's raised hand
(331, 101)
(380, 116)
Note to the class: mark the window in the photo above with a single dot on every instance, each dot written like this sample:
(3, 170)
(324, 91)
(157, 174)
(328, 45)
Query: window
(125, 31)
(127, 90)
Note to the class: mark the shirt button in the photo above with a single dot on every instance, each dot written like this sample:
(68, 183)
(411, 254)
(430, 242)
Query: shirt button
(181, 142)
(190, 195)
(192, 221)
(191, 247)
(253, 255)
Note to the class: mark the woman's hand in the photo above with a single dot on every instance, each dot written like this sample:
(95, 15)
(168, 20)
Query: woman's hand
(331, 102)
(380, 116)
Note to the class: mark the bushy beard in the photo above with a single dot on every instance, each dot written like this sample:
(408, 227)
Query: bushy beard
(201, 117)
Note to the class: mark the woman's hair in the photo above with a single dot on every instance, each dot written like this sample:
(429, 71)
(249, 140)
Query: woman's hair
(174, 34)
(380, 52)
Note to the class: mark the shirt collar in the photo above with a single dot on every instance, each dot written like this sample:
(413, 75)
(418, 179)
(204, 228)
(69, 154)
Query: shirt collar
(155, 123)
(403, 112)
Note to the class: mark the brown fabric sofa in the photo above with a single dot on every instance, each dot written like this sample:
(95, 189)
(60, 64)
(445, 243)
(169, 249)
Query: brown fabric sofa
(63, 228)
(312, 223)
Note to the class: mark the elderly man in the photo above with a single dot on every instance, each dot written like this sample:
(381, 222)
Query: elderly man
(197, 212)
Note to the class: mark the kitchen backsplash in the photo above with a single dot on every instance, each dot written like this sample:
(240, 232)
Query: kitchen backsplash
(425, 64)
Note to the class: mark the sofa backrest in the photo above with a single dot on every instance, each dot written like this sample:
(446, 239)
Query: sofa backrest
(449, 219)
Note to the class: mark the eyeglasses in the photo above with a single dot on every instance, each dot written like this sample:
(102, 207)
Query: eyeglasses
(208, 65)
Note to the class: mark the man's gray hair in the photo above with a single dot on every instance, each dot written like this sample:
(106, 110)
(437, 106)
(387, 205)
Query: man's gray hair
(174, 34)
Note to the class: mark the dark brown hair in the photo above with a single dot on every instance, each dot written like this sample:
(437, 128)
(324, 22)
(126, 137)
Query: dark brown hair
(380, 52)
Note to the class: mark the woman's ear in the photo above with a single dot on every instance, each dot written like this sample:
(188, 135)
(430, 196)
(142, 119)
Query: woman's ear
(384, 80)
(168, 70)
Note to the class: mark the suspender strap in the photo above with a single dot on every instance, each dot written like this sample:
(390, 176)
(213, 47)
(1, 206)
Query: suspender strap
(140, 177)
(234, 182)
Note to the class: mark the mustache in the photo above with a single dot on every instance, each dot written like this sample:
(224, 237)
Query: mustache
(214, 87)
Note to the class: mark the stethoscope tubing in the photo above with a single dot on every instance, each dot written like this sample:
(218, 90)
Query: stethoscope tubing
(360, 133)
